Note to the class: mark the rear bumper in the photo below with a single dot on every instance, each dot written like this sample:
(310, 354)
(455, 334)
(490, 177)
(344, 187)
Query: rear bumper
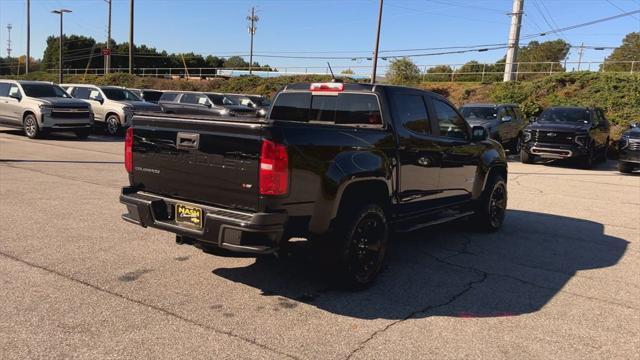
(258, 233)
(555, 151)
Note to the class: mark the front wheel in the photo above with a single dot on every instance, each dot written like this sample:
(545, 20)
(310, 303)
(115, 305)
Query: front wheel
(492, 206)
(31, 128)
(361, 244)
(112, 125)
(516, 145)
(526, 158)
(587, 160)
(625, 167)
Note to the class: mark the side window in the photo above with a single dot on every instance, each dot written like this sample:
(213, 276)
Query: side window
(519, 115)
(511, 113)
(357, 109)
(81, 93)
(189, 99)
(450, 123)
(168, 97)
(502, 112)
(14, 91)
(4, 89)
(412, 113)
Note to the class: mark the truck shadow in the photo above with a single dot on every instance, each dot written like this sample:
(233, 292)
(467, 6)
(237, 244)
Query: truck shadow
(449, 270)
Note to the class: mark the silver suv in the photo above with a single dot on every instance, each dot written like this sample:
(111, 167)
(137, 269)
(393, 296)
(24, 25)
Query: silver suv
(113, 106)
(39, 107)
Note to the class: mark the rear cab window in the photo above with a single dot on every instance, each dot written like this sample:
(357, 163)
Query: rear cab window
(343, 108)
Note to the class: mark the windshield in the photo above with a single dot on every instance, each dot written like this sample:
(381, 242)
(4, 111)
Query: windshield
(153, 96)
(565, 115)
(479, 113)
(260, 101)
(44, 90)
(120, 94)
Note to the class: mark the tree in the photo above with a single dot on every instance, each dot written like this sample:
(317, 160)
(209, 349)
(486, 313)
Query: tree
(538, 57)
(628, 51)
(347, 72)
(439, 73)
(236, 62)
(403, 71)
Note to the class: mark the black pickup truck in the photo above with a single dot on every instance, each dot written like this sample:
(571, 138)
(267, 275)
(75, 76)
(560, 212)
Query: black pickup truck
(342, 165)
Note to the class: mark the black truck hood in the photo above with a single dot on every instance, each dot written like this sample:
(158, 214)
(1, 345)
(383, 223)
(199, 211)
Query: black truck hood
(144, 106)
(556, 126)
(64, 102)
(633, 133)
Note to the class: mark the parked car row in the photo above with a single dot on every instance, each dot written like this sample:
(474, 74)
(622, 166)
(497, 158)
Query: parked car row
(560, 132)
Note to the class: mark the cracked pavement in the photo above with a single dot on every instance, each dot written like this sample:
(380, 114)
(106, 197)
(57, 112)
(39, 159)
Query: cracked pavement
(561, 279)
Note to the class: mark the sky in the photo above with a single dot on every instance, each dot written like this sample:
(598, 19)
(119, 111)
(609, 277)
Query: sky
(323, 28)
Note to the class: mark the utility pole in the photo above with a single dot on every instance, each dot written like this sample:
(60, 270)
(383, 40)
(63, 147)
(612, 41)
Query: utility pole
(514, 39)
(61, 13)
(580, 55)
(253, 19)
(107, 57)
(28, 60)
(130, 36)
(375, 51)
(9, 27)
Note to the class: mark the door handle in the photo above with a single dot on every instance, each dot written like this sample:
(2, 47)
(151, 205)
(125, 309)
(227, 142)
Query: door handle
(187, 140)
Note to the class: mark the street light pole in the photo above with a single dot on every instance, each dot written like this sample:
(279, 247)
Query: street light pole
(61, 13)
(375, 52)
(252, 31)
(28, 59)
(130, 36)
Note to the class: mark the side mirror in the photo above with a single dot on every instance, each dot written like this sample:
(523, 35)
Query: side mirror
(633, 125)
(208, 105)
(16, 96)
(479, 133)
(98, 99)
(506, 118)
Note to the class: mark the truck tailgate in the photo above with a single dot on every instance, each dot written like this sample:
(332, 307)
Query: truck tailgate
(213, 161)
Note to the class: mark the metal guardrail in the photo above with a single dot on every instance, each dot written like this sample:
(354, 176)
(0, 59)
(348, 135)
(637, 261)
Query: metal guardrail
(454, 72)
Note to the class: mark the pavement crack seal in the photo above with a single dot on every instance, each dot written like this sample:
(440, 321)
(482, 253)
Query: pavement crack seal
(149, 306)
(468, 287)
(2, 163)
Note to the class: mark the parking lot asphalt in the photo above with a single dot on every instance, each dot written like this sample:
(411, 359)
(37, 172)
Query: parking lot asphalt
(560, 280)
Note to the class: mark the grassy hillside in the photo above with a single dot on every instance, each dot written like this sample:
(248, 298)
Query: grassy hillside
(617, 93)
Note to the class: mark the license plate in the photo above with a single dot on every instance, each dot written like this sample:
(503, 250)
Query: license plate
(189, 215)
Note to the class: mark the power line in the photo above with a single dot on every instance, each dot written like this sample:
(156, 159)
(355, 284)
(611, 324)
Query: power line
(553, 31)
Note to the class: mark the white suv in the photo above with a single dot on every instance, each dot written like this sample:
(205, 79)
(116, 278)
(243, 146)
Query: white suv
(113, 106)
(39, 107)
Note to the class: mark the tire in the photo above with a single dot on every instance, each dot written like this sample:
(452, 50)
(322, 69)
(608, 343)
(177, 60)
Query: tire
(30, 126)
(492, 205)
(516, 145)
(82, 134)
(527, 158)
(625, 167)
(359, 245)
(605, 151)
(112, 125)
(586, 162)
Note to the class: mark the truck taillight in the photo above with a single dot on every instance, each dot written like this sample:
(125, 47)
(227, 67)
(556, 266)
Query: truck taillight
(326, 86)
(128, 150)
(274, 169)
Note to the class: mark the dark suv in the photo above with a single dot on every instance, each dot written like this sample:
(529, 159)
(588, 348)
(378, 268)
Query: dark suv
(260, 103)
(504, 122)
(629, 150)
(567, 132)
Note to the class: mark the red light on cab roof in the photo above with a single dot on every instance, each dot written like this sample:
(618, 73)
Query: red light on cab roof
(326, 87)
